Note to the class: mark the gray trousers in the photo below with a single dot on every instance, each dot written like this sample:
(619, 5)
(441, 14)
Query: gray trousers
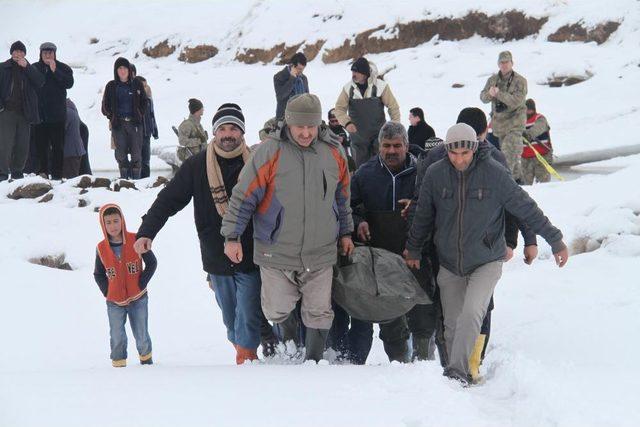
(464, 304)
(281, 290)
(128, 140)
(15, 132)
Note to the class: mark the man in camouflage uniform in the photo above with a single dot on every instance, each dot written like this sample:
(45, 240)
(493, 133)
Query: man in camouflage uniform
(191, 135)
(537, 133)
(507, 91)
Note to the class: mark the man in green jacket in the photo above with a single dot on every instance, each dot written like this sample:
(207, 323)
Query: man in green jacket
(507, 91)
(296, 188)
(191, 135)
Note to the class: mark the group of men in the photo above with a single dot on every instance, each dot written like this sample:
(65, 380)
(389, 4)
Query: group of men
(40, 130)
(272, 220)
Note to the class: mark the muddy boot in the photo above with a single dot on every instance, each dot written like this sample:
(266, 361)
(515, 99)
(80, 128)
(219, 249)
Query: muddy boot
(314, 343)
(423, 349)
(245, 354)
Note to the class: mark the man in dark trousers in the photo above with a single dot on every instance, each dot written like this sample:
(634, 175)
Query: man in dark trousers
(52, 98)
(290, 81)
(380, 190)
(124, 103)
(208, 177)
(19, 82)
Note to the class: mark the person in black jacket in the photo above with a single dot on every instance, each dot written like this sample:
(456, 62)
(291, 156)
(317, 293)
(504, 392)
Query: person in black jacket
(124, 103)
(52, 97)
(419, 131)
(345, 138)
(149, 125)
(380, 190)
(19, 82)
(208, 178)
(85, 165)
(290, 81)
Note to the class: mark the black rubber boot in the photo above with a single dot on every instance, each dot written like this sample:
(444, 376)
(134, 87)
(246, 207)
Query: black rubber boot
(289, 328)
(423, 348)
(314, 343)
(397, 351)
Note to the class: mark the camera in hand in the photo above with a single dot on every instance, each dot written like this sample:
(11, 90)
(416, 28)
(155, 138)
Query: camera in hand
(500, 106)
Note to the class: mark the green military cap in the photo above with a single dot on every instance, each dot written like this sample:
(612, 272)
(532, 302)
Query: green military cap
(505, 56)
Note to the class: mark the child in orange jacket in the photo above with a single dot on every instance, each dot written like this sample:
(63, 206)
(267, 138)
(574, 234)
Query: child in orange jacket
(122, 280)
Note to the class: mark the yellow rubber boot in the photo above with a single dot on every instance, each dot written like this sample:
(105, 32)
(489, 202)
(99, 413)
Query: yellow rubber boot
(120, 363)
(476, 357)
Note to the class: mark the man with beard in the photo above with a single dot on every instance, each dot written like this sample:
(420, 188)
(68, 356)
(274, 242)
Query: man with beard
(208, 178)
(296, 189)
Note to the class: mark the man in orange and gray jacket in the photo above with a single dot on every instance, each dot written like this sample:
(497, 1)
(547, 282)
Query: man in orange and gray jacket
(360, 108)
(296, 188)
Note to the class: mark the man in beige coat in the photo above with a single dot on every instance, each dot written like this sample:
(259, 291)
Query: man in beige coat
(360, 109)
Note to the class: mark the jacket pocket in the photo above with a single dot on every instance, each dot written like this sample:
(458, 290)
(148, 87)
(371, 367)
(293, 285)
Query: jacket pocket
(479, 193)
(324, 185)
(273, 236)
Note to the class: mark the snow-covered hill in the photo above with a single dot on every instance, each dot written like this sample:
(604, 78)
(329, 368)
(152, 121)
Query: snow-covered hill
(564, 342)
(585, 116)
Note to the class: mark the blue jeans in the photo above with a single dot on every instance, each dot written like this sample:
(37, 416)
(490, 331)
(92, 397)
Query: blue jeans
(238, 297)
(138, 315)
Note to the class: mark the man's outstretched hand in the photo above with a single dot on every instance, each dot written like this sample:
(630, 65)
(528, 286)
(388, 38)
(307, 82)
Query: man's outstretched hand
(142, 245)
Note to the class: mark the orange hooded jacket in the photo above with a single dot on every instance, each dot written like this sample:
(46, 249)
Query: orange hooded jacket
(123, 274)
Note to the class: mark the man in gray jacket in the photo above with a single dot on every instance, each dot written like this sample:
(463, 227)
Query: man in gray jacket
(295, 186)
(462, 202)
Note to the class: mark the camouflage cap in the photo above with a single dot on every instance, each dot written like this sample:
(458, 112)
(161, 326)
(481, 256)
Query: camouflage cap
(505, 56)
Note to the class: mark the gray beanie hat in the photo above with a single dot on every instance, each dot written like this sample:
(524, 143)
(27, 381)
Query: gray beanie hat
(303, 110)
(461, 135)
(48, 46)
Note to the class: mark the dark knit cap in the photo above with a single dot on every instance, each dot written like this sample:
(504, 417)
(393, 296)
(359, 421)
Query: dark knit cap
(18, 46)
(195, 105)
(361, 65)
(531, 104)
(228, 113)
(474, 117)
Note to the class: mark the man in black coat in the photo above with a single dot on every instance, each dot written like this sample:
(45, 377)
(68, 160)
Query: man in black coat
(49, 134)
(124, 103)
(237, 286)
(19, 82)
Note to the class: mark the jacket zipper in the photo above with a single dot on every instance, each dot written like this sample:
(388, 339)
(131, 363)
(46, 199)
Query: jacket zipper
(461, 199)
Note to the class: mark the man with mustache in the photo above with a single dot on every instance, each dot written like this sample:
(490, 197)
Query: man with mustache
(208, 178)
(380, 190)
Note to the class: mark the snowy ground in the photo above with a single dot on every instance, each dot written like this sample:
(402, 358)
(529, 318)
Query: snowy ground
(564, 343)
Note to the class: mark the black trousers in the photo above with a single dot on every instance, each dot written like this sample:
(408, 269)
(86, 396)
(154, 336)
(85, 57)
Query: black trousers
(49, 139)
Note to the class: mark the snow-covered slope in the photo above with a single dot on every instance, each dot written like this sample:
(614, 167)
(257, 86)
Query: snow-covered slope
(564, 342)
(586, 116)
